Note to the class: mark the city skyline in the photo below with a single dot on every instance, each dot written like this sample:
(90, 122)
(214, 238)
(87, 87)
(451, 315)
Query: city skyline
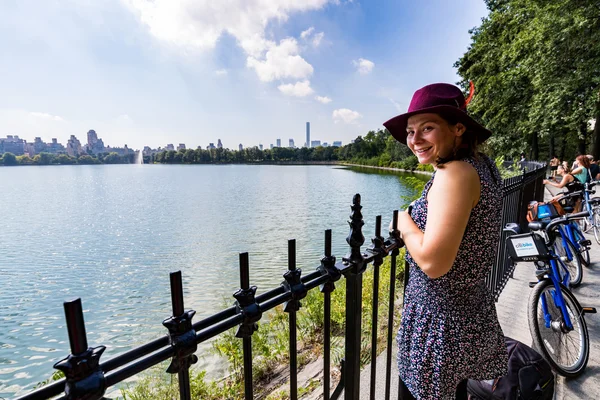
(95, 144)
(243, 71)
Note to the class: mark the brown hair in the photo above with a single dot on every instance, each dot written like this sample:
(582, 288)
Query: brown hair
(468, 147)
(583, 161)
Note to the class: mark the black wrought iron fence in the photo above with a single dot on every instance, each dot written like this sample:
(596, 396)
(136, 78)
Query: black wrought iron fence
(88, 378)
(517, 191)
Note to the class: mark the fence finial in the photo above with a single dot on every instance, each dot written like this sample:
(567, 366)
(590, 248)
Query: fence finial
(85, 378)
(355, 238)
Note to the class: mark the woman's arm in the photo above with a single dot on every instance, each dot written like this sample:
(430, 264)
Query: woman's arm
(562, 183)
(577, 170)
(454, 193)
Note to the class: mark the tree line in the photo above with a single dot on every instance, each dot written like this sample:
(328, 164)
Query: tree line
(376, 148)
(9, 159)
(535, 65)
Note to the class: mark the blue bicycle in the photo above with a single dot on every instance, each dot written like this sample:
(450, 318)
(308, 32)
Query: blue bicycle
(573, 230)
(556, 319)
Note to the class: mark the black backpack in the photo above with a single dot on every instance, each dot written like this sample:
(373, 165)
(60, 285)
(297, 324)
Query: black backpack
(529, 377)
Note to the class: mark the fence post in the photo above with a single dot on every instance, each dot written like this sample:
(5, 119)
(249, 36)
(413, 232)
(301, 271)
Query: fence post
(250, 310)
(295, 286)
(328, 268)
(353, 274)
(378, 249)
(85, 378)
(395, 236)
(181, 336)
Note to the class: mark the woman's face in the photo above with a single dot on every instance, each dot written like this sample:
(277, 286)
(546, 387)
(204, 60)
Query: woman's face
(560, 170)
(430, 137)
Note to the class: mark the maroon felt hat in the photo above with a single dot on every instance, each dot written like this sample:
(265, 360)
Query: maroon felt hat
(436, 98)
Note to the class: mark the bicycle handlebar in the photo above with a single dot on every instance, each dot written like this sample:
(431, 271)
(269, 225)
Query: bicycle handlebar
(566, 195)
(566, 218)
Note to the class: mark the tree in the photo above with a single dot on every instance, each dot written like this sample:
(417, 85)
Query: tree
(45, 158)
(87, 159)
(112, 158)
(9, 159)
(535, 66)
(64, 159)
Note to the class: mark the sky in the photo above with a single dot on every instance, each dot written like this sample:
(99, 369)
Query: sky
(153, 72)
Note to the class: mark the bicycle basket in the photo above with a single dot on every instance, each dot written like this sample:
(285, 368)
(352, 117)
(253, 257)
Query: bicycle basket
(527, 247)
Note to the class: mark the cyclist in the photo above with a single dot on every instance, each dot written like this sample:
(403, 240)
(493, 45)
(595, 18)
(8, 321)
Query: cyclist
(449, 331)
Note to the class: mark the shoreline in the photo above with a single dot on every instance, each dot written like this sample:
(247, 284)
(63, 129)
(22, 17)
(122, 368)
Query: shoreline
(389, 169)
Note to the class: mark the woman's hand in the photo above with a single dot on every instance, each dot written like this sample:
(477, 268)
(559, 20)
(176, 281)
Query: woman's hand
(407, 211)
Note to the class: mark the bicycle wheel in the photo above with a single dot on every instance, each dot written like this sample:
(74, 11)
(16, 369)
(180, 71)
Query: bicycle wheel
(597, 225)
(567, 352)
(574, 266)
(585, 255)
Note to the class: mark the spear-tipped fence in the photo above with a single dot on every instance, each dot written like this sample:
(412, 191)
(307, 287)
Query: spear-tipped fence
(88, 378)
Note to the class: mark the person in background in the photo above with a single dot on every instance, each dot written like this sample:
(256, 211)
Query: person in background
(566, 178)
(449, 331)
(594, 168)
(523, 162)
(581, 171)
(554, 162)
(565, 165)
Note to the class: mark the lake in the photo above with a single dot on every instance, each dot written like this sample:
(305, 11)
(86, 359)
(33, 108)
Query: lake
(111, 234)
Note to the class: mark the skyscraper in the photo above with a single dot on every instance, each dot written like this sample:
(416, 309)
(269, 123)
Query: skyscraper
(278, 142)
(291, 143)
(308, 134)
(219, 144)
(241, 147)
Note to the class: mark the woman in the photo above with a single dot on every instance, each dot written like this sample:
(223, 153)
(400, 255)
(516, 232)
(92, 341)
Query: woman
(554, 162)
(566, 178)
(449, 331)
(583, 166)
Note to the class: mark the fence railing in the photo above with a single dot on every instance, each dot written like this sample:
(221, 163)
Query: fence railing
(518, 191)
(86, 377)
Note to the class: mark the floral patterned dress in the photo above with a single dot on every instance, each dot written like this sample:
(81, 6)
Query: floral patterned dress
(450, 330)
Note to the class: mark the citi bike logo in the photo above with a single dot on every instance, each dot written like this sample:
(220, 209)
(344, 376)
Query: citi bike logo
(524, 246)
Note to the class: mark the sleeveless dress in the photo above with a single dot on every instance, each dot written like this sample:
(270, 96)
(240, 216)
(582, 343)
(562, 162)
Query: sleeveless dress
(449, 330)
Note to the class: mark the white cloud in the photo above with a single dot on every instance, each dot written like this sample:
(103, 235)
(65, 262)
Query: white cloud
(221, 72)
(316, 41)
(307, 32)
(345, 115)
(281, 61)
(316, 38)
(199, 25)
(124, 118)
(323, 99)
(395, 104)
(46, 116)
(298, 89)
(363, 65)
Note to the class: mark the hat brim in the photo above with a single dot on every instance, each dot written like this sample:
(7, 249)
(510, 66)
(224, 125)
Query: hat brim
(397, 125)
